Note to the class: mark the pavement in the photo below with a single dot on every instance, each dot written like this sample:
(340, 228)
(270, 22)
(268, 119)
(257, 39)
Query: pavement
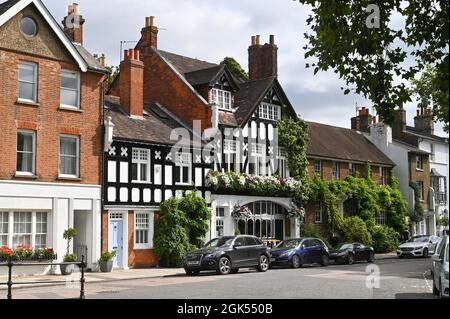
(388, 278)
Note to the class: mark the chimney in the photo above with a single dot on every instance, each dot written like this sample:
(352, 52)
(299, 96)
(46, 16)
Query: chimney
(424, 121)
(362, 121)
(132, 83)
(102, 60)
(262, 59)
(149, 36)
(73, 24)
(399, 126)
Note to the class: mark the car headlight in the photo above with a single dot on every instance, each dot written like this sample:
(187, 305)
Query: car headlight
(210, 255)
(285, 254)
(446, 275)
(419, 248)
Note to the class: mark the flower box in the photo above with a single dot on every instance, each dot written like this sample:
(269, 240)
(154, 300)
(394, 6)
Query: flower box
(23, 255)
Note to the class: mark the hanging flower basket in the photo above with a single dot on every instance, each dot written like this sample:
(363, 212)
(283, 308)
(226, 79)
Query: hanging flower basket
(241, 212)
(296, 212)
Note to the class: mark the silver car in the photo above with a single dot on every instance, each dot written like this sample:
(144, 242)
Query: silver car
(440, 272)
(418, 246)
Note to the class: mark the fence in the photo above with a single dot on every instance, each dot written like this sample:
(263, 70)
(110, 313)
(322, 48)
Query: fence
(10, 264)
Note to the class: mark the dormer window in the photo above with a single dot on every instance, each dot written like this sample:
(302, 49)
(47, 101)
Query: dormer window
(222, 98)
(269, 112)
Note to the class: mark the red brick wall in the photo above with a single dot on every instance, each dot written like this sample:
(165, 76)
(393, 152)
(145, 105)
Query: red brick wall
(48, 121)
(142, 257)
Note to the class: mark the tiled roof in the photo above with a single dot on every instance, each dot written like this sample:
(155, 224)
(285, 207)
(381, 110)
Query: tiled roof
(343, 144)
(204, 76)
(185, 64)
(415, 131)
(90, 60)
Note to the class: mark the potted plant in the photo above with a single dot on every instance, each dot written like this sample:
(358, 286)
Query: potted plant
(68, 235)
(106, 261)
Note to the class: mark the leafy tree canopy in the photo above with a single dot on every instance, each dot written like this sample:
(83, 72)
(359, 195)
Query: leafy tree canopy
(358, 40)
(235, 68)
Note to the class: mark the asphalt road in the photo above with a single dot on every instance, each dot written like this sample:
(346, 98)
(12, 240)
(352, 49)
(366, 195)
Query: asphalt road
(390, 279)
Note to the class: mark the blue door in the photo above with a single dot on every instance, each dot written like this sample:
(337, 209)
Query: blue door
(116, 241)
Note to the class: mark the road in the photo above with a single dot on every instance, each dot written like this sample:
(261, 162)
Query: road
(398, 279)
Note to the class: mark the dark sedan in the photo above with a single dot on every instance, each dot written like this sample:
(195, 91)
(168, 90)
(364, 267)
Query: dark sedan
(227, 254)
(300, 251)
(350, 253)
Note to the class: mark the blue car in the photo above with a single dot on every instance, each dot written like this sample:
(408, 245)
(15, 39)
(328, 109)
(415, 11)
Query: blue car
(300, 251)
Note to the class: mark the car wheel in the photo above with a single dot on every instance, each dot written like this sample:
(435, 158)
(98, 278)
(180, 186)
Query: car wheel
(350, 259)
(234, 271)
(263, 264)
(371, 257)
(325, 260)
(295, 262)
(224, 266)
(435, 290)
(425, 253)
(192, 272)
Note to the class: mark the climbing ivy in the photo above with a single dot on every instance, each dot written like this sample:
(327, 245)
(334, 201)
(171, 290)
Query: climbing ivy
(416, 215)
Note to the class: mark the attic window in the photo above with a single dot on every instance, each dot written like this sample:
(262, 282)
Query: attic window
(28, 27)
(222, 99)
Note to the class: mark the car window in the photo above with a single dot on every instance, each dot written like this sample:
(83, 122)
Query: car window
(240, 241)
(442, 252)
(291, 243)
(317, 243)
(420, 239)
(250, 241)
(344, 246)
(219, 242)
(306, 243)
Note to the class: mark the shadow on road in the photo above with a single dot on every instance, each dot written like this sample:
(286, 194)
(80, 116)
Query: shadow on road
(415, 296)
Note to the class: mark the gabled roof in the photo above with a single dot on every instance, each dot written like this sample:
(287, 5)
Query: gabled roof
(185, 64)
(11, 8)
(410, 148)
(326, 141)
(211, 75)
(414, 131)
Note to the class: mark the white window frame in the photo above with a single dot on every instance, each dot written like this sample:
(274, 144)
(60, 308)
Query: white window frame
(318, 212)
(282, 163)
(180, 161)
(230, 150)
(2, 224)
(352, 169)
(222, 98)
(258, 152)
(382, 175)
(139, 162)
(335, 174)
(36, 233)
(35, 67)
(269, 112)
(320, 168)
(220, 221)
(33, 160)
(419, 162)
(420, 185)
(77, 138)
(381, 218)
(149, 229)
(77, 74)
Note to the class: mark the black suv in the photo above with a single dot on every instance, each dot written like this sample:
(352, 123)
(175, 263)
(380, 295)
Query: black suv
(227, 254)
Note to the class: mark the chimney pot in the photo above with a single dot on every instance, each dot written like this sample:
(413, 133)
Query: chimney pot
(258, 40)
(152, 21)
(253, 40)
(272, 39)
(75, 8)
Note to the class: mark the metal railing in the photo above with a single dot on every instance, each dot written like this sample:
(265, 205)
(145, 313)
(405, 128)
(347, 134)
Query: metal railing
(10, 264)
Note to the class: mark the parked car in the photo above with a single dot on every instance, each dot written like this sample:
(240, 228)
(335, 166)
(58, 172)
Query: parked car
(418, 246)
(436, 252)
(300, 251)
(227, 254)
(440, 273)
(352, 252)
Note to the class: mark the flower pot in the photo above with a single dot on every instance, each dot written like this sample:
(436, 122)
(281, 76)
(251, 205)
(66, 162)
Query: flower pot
(66, 269)
(106, 266)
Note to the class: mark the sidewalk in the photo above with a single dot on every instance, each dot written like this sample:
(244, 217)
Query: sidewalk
(91, 277)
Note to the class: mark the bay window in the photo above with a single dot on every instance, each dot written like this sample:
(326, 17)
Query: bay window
(143, 230)
(24, 228)
(183, 170)
(69, 156)
(28, 82)
(70, 89)
(222, 98)
(141, 165)
(25, 153)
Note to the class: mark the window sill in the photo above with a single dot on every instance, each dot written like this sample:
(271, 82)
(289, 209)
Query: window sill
(27, 103)
(25, 176)
(142, 247)
(70, 109)
(419, 170)
(68, 178)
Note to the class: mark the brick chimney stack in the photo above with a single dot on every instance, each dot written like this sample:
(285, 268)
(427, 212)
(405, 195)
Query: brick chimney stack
(262, 59)
(424, 121)
(362, 121)
(399, 126)
(149, 35)
(132, 83)
(73, 24)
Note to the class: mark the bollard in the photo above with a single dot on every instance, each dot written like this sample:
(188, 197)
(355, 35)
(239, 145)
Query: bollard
(82, 279)
(9, 283)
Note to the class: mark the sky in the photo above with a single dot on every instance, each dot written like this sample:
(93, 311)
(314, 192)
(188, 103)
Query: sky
(211, 30)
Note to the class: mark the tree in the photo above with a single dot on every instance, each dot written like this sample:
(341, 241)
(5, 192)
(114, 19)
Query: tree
(357, 40)
(235, 68)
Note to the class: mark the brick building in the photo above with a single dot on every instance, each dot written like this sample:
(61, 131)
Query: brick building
(51, 97)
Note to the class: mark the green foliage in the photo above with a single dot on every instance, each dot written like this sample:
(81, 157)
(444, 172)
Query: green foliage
(293, 135)
(385, 239)
(107, 256)
(68, 235)
(311, 230)
(354, 229)
(237, 232)
(113, 73)
(416, 215)
(70, 258)
(235, 68)
(442, 221)
(378, 61)
(197, 215)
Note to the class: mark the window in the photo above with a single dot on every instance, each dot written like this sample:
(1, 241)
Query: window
(222, 99)
(421, 194)
(419, 162)
(318, 167)
(25, 152)
(433, 152)
(230, 152)
(28, 27)
(380, 218)
(142, 231)
(282, 164)
(4, 228)
(69, 156)
(220, 214)
(335, 172)
(70, 89)
(41, 230)
(22, 229)
(382, 176)
(269, 112)
(257, 165)
(351, 169)
(27, 81)
(183, 168)
(318, 212)
(140, 168)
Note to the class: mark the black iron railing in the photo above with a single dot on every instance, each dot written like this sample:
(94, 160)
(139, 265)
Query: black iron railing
(11, 263)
